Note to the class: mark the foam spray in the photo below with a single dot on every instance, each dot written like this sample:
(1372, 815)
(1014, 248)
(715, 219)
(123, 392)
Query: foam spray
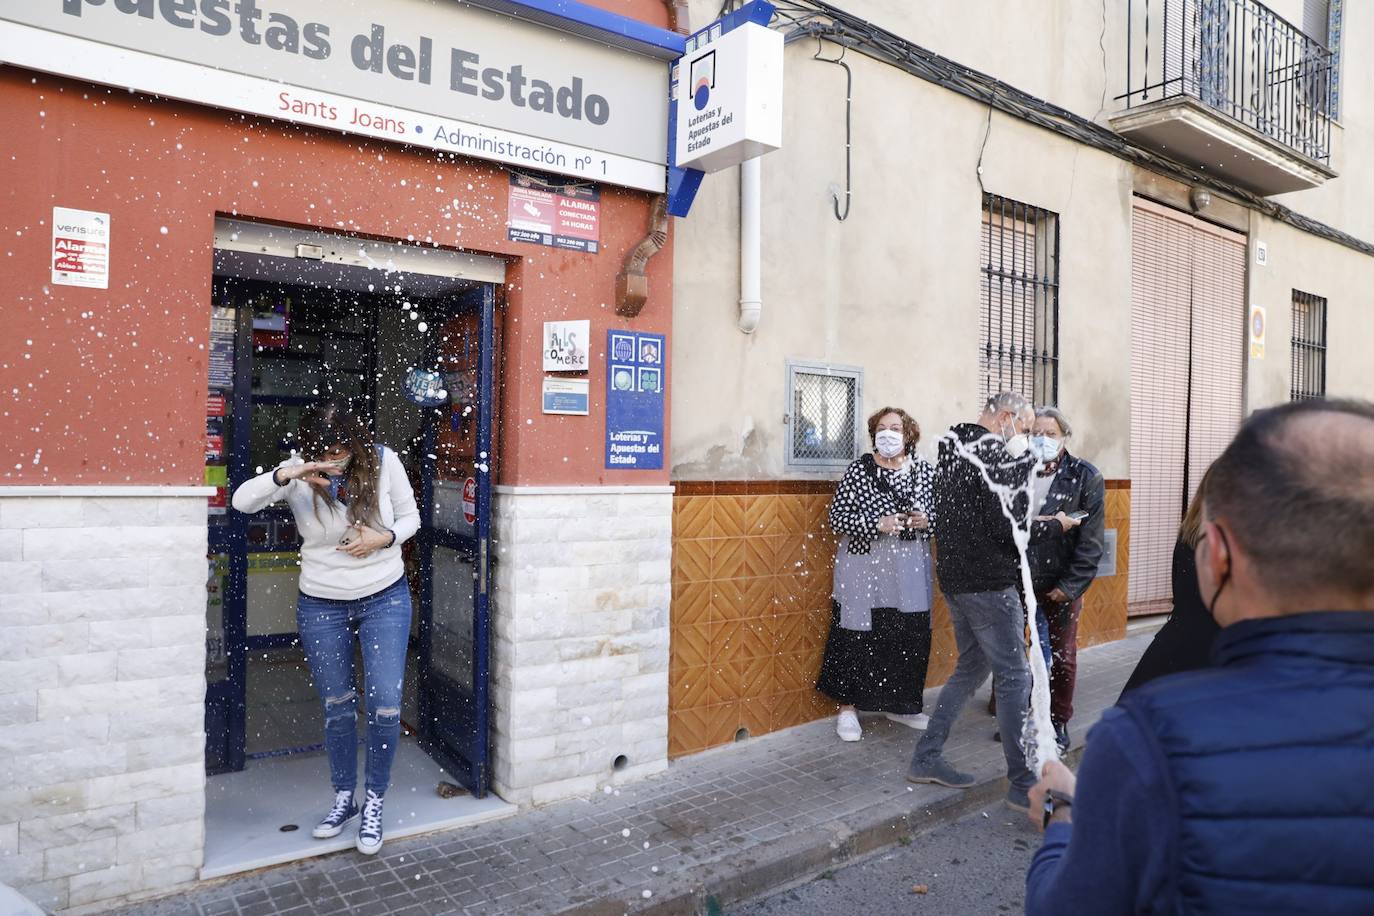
(1037, 732)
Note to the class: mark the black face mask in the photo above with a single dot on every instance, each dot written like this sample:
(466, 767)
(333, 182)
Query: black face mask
(1225, 577)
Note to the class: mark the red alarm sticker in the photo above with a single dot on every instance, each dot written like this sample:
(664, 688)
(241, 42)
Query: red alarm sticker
(470, 500)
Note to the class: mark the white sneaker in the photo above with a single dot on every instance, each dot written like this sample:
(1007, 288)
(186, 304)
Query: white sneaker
(917, 720)
(847, 726)
(370, 829)
(339, 816)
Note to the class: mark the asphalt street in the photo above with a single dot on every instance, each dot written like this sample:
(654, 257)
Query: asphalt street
(972, 867)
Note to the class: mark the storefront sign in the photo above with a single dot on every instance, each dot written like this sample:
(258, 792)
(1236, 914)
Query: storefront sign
(80, 248)
(729, 96)
(565, 345)
(634, 400)
(564, 216)
(569, 396)
(442, 75)
(1257, 330)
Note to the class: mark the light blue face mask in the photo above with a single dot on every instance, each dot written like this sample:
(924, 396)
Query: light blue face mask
(1046, 449)
(337, 490)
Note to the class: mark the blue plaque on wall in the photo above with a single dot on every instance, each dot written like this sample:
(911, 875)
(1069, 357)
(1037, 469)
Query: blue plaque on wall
(634, 400)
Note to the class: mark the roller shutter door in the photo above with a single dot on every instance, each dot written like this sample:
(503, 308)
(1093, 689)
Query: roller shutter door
(1187, 339)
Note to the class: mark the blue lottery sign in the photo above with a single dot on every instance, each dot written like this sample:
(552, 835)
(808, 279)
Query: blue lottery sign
(634, 400)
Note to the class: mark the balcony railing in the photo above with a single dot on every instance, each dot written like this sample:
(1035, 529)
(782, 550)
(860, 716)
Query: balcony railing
(1237, 57)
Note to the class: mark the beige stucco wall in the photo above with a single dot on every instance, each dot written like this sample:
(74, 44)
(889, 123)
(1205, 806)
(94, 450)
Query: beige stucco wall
(1343, 277)
(1063, 51)
(893, 289)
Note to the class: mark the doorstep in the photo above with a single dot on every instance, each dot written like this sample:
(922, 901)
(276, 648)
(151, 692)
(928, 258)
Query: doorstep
(262, 815)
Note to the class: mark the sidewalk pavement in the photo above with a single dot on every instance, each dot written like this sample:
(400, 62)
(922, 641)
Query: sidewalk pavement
(717, 828)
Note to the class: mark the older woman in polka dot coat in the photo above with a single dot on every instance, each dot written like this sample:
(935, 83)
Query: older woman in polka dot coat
(879, 645)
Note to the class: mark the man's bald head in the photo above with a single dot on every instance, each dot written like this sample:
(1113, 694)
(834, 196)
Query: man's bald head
(1295, 490)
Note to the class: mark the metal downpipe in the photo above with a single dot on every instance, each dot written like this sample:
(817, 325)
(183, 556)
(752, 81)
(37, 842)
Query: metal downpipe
(750, 244)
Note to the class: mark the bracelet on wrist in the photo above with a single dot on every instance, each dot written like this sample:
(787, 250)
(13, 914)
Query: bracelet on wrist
(275, 472)
(393, 538)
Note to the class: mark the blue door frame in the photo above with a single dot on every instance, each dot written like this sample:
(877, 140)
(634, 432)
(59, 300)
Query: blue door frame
(453, 712)
(226, 707)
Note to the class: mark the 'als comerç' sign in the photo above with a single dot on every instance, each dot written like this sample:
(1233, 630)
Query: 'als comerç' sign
(434, 73)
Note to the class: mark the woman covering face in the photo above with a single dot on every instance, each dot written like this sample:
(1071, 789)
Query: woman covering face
(879, 644)
(354, 508)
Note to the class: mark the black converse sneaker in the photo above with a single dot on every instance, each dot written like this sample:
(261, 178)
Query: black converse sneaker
(344, 810)
(370, 830)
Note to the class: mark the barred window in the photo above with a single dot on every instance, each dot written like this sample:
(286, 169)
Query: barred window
(1019, 310)
(823, 404)
(1309, 347)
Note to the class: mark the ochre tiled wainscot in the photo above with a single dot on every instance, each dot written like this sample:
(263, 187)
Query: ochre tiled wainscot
(751, 607)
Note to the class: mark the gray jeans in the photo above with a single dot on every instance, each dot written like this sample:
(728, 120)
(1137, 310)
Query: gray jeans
(989, 630)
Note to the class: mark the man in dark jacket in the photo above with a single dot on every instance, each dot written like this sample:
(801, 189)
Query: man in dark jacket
(1244, 787)
(1063, 568)
(982, 467)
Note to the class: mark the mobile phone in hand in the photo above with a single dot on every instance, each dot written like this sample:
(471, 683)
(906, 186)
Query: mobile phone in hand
(1079, 515)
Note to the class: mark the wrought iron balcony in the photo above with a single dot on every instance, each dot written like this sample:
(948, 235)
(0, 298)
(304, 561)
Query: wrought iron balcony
(1231, 87)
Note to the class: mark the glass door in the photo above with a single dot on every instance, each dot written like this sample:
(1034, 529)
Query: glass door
(454, 542)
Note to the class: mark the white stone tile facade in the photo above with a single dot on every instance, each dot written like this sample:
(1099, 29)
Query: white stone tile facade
(579, 638)
(102, 688)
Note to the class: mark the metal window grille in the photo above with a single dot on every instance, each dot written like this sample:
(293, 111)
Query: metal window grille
(823, 424)
(1309, 347)
(1019, 311)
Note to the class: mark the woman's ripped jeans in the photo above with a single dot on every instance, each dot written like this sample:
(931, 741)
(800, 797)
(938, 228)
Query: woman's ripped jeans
(382, 624)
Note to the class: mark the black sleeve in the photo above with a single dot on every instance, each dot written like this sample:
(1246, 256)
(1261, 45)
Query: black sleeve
(1088, 554)
(848, 510)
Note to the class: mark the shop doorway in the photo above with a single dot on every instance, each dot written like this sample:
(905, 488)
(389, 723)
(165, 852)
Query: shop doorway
(298, 316)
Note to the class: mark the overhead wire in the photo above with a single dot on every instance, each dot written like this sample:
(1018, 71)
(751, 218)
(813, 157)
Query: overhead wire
(848, 132)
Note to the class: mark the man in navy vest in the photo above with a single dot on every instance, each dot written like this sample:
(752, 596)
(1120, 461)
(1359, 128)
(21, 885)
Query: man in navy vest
(1247, 787)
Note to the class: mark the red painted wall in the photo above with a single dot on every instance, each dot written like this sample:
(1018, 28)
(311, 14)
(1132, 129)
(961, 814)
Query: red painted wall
(108, 386)
(653, 12)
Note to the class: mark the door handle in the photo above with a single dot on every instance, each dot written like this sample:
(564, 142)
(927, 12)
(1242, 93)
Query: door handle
(482, 566)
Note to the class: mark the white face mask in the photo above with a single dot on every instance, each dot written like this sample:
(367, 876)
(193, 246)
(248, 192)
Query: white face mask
(1046, 448)
(889, 443)
(1017, 443)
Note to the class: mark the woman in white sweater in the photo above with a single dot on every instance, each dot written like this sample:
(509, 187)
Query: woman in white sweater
(354, 508)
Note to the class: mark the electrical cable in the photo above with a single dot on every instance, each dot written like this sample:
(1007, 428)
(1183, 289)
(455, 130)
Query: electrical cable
(848, 112)
(978, 170)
